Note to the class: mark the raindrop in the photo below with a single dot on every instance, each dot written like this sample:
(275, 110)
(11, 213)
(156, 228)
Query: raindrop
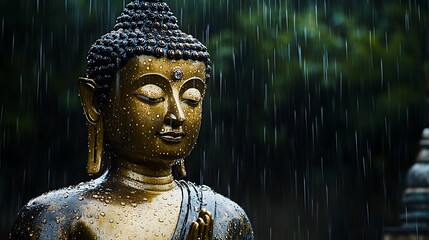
(382, 73)
(2, 29)
(90, 7)
(20, 84)
(13, 48)
(386, 42)
(407, 21)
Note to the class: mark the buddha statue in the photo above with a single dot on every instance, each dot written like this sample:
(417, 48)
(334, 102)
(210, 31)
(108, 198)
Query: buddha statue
(142, 98)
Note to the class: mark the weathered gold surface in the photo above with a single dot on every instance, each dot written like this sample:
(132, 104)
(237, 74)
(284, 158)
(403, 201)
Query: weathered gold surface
(151, 121)
(142, 98)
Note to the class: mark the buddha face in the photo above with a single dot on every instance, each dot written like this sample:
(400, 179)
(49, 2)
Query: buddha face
(154, 109)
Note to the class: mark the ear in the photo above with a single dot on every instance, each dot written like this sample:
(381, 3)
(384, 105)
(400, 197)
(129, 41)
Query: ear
(87, 98)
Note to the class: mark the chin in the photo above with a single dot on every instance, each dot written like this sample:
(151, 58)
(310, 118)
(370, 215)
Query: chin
(172, 157)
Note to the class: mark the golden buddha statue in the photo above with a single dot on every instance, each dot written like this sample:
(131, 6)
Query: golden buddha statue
(142, 98)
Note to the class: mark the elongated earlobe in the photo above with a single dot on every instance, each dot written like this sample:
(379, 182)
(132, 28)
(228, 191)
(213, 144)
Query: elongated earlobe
(95, 148)
(180, 167)
(87, 95)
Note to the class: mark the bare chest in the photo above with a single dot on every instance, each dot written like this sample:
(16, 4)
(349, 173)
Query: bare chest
(134, 218)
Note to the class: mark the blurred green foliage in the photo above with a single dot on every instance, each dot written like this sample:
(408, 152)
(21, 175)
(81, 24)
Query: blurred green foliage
(312, 117)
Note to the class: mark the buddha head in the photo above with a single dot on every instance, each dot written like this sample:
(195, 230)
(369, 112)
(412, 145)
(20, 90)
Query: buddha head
(143, 90)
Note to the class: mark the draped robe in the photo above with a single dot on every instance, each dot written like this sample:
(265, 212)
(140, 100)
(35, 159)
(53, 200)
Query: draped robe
(54, 216)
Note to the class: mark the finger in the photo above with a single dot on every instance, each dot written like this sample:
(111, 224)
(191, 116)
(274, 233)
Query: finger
(207, 221)
(201, 227)
(203, 212)
(210, 214)
(210, 226)
(193, 231)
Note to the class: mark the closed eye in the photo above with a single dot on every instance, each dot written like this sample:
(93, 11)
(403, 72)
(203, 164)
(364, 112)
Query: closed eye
(150, 93)
(191, 96)
(190, 101)
(149, 99)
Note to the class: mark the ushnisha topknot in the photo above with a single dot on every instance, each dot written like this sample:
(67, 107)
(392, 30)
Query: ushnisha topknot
(143, 28)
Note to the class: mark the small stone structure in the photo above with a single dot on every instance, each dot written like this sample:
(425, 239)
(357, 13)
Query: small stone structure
(415, 199)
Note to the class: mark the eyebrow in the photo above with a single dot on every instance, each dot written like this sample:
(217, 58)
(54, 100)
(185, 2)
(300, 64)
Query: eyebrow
(185, 81)
(189, 82)
(145, 77)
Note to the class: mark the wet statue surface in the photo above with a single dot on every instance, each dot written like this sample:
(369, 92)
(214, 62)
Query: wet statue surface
(142, 98)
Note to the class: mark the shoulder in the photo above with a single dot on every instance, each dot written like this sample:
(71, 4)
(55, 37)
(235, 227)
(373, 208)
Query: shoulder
(230, 220)
(50, 215)
(227, 209)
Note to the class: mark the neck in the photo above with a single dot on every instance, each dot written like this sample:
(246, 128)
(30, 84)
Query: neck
(154, 179)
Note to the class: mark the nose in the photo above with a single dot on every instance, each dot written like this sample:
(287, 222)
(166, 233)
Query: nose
(172, 120)
(175, 116)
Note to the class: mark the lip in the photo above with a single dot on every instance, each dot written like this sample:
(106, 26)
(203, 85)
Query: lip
(173, 137)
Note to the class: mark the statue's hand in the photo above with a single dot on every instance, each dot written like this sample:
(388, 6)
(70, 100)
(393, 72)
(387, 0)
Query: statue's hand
(202, 229)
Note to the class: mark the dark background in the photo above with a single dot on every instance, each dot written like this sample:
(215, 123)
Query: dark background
(312, 118)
